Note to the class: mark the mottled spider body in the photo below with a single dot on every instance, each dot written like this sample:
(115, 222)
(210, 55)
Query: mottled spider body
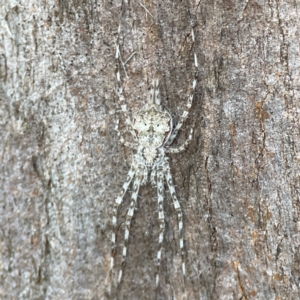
(153, 132)
(152, 127)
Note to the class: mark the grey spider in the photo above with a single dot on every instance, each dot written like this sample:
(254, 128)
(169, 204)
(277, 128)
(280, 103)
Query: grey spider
(153, 133)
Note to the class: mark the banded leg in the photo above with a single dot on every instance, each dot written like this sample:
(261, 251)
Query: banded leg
(130, 213)
(152, 177)
(161, 220)
(120, 86)
(189, 102)
(179, 216)
(183, 146)
(118, 201)
(154, 93)
(145, 176)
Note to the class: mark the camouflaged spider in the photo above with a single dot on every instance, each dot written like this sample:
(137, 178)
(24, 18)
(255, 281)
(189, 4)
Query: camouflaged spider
(153, 133)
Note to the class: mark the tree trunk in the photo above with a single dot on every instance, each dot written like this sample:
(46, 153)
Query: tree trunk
(62, 164)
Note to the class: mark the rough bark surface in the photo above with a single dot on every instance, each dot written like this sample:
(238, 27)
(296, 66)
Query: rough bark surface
(62, 164)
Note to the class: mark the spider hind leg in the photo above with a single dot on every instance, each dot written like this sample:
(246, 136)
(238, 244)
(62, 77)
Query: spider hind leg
(178, 209)
(129, 215)
(161, 220)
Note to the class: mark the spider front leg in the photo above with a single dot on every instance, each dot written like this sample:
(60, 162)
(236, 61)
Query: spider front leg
(120, 87)
(177, 207)
(161, 219)
(189, 101)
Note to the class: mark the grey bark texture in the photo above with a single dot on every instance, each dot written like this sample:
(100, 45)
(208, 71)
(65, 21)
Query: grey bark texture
(62, 164)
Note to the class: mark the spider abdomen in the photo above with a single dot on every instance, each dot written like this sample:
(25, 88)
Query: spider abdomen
(149, 154)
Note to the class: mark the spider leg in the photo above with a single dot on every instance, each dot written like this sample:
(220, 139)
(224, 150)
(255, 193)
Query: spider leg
(179, 215)
(130, 212)
(189, 101)
(154, 93)
(118, 201)
(183, 146)
(120, 86)
(152, 177)
(161, 220)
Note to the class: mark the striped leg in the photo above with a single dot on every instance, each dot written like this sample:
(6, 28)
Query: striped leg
(161, 220)
(152, 177)
(120, 86)
(183, 146)
(179, 216)
(154, 93)
(189, 102)
(118, 201)
(130, 212)
(145, 176)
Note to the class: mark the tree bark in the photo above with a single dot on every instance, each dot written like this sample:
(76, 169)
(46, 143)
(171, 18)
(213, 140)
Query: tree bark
(62, 164)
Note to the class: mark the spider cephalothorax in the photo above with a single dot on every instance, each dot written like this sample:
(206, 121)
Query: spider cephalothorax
(153, 133)
(152, 127)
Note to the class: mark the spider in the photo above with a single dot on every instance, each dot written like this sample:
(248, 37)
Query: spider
(153, 133)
